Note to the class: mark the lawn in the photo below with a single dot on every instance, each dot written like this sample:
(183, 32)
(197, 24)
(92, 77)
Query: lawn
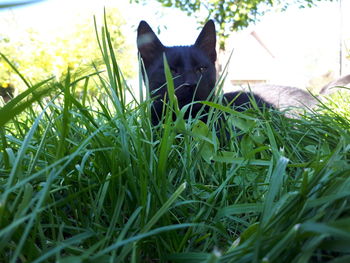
(86, 178)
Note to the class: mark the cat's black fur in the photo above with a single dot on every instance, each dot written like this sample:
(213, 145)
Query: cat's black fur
(192, 67)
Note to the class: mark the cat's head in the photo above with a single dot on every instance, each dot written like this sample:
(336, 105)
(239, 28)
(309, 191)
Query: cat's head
(192, 67)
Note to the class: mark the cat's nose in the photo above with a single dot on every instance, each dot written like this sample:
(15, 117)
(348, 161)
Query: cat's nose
(189, 87)
(189, 79)
(190, 82)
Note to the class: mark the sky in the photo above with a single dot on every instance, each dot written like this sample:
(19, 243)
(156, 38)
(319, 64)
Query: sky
(304, 42)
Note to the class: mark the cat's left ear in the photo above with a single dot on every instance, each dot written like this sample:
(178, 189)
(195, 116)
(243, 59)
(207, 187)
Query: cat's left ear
(206, 40)
(148, 44)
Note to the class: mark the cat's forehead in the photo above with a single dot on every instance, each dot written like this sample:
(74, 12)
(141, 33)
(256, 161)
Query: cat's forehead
(185, 54)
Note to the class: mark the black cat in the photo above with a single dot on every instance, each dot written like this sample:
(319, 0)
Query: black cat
(192, 67)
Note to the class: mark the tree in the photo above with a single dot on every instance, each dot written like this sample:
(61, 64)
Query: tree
(233, 14)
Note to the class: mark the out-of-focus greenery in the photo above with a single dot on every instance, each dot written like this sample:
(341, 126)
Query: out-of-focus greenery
(38, 57)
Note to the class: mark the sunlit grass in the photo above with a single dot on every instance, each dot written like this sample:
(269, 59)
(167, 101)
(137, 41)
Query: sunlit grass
(88, 179)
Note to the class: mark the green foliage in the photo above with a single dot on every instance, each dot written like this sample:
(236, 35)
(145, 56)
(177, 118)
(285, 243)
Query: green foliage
(88, 179)
(39, 58)
(232, 15)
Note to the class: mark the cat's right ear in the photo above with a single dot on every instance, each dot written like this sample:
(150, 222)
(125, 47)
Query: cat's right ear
(206, 40)
(148, 43)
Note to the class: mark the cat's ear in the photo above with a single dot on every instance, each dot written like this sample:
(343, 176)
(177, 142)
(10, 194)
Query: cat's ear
(206, 40)
(148, 43)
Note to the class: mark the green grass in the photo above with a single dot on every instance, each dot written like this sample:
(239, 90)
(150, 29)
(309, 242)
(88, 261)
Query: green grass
(88, 179)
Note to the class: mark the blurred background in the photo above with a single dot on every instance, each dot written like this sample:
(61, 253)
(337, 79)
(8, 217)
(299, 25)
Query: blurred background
(294, 44)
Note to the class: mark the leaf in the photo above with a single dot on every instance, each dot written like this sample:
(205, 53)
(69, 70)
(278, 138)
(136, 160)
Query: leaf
(206, 147)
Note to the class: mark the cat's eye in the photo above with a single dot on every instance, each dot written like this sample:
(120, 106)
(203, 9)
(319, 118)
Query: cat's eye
(201, 69)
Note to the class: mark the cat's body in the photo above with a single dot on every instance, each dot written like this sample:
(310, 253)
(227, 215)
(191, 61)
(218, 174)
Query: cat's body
(334, 85)
(283, 97)
(241, 100)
